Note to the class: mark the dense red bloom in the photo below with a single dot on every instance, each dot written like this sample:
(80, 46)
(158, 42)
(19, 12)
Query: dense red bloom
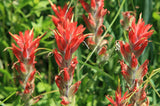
(25, 53)
(138, 36)
(69, 37)
(94, 23)
(61, 14)
(120, 101)
(133, 73)
(27, 46)
(96, 13)
(138, 39)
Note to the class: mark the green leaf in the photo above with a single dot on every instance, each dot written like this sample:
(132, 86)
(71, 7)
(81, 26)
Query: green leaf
(43, 87)
(5, 72)
(156, 16)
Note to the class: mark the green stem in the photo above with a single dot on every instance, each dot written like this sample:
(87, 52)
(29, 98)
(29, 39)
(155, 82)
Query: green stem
(8, 97)
(133, 5)
(47, 93)
(49, 70)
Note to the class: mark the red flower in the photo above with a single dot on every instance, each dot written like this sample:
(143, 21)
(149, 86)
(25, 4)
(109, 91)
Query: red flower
(61, 14)
(125, 50)
(90, 22)
(73, 64)
(96, 12)
(32, 75)
(66, 75)
(27, 88)
(64, 101)
(133, 62)
(103, 50)
(59, 81)
(85, 5)
(69, 37)
(142, 70)
(138, 36)
(120, 101)
(58, 57)
(27, 46)
(73, 89)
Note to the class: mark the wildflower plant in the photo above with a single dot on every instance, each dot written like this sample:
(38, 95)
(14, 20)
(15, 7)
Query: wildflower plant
(99, 69)
(25, 53)
(94, 23)
(132, 72)
(119, 99)
(68, 38)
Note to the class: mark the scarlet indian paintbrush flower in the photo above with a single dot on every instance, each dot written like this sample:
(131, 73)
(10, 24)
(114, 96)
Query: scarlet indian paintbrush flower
(62, 14)
(94, 23)
(25, 53)
(68, 38)
(119, 100)
(133, 73)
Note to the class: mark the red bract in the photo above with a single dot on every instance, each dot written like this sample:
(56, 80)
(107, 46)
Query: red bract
(138, 36)
(72, 66)
(133, 73)
(61, 14)
(59, 81)
(27, 46)
(64, 101)
(120, 101)
(74, 88)
(69, 37)
(94, 23)
(25, 53)
(125, 50)
(32, 75)
(96, 13)
(133, 62)
(58, 57)
(27, 88)
(66, 75)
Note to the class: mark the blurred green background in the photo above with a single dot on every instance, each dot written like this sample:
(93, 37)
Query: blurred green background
(98, 79)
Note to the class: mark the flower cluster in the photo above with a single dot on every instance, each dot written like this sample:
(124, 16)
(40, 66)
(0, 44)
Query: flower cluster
(94, 23)
(68, 38)
(133, 73)
(25, 54)
(119, 101)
